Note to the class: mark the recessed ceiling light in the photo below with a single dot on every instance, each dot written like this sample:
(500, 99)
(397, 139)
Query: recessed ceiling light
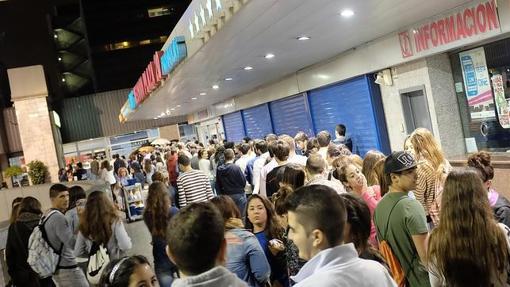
(178, 106)
(172, 109)
(55, 36)
(228, 79)
(155, 118)
(63, 79)
(162, 114)
(59, 59)
(269, 56)
(194, 98)
(215, 87)
(347, 13)
(203, 94)
(303, 38)
(248, 68)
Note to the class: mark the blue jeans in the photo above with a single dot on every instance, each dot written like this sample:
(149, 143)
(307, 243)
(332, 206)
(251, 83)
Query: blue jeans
(240, 200)
(165, 276)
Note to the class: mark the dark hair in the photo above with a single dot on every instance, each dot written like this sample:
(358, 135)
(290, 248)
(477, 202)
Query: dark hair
(15, 209)
(481, 161)
(122, 270)
(158, 176)
(229, 145)
(273, 228)
(301, 136)
(195, 236)
(293, 176)
(340, 129)
(229, 154)
(80, 165)
(30, 204)
(246, 139)
(76, 193)
(334, 151)
(324, 138)
(281, 150)
(56, 189)
(358, 217)
(261, 146)
(315, 164)
(147, 165)
(226, 206)
(157, 212)
(183, 159)
(279, 199)
(244, 148)
(315, 206)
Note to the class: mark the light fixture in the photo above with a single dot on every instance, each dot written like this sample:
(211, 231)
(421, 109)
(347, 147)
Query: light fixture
(172, 109)
(63, 79)
(59, 59)
(178, 106)
(415, 31)
(162, 114)
(55, 36)
(269, 56)
(125, 44)
(203, 94)
(347, 13)
(228, 79)
(215, 87)
(194, 98)
(155, 118)
(303, 38)
(248, 68)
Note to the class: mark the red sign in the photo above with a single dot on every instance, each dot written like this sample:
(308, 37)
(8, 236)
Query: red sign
(473, 20)
(150, 79)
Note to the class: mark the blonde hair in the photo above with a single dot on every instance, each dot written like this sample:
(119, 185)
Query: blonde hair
(426, 147)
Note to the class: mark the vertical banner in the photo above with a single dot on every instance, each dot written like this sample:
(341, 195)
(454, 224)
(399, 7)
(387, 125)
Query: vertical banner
(502, 104)
(478, 86)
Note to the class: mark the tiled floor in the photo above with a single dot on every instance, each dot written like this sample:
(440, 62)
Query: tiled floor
(141, 239)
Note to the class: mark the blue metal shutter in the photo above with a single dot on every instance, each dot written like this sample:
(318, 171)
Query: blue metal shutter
(234, 127)
(291, 115)
(348, 103)
(257, 121)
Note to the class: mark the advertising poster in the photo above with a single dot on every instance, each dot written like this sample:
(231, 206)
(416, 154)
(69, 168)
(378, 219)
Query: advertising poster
(477, 84)
(501, 102)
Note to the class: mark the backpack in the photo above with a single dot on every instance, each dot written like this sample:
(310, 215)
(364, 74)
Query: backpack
(397, 272)
(98, 259)
(42, 257)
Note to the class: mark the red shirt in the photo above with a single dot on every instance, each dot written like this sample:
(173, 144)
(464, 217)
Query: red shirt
(171, 165)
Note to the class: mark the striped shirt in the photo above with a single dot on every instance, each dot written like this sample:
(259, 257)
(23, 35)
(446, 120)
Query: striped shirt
(428, 190)
(193, 186)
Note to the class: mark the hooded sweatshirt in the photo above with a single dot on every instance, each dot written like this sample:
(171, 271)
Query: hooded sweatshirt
(218, 276)
(230, 179)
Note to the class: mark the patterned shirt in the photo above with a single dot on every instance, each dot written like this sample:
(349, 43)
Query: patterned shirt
(193, 186)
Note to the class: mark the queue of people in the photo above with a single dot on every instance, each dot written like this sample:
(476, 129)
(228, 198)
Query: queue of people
(283, 211)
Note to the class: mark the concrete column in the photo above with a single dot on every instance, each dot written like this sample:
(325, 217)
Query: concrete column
(29, 93)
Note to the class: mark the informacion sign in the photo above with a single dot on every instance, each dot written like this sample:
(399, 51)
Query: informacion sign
(502, 104)
(477, 85)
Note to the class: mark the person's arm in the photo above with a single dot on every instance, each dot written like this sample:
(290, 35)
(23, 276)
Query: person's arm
(208, 188)
(182, 195)
(219, 187)
(262, 184)
(416, 223)
(242, 178)
(257, 167)
(63, 230)
(10, 251)
(420, 242)
(123, 240)
(257, 259)
(82, 246)
(370, 200)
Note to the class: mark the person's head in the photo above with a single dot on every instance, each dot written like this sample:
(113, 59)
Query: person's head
(105, 164)
(481, 161)
(271, 138)
(310, 213)
(333, 153)
(301, 140)
(324, 138)
(59, 197)
(371, 158)
(227, 207)
(468, 220)
(312, 146)
(246, 139)
(76, 195)
(293, 176)
(260, 147)
(183, 161)
(158, 176)
(357, 160)
(280, 150)
(15, 209)
(79, 165)
(31, 205)
(244, 148)
(229, 145)
(123, 172)
(147, 165)
(157, 207)
(357, 227)
(340, 130)
(260, 215)
(279, 200)
(203, 154)
(400, 171)
(195, 237)
(290, 142)
(97, 218)
(425, 147)
(229, 155)
(351, 177)
(315, 165)
(378, 171)
(132, 271)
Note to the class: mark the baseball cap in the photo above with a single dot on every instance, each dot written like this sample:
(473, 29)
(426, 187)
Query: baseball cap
(399, 161)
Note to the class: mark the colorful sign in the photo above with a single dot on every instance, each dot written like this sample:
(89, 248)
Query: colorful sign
(479, 20)
(477, 85)
(502, 104)
(173, 55)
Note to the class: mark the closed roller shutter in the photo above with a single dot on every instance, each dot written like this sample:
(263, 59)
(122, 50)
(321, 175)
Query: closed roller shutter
(348, 103)
(257, 121)
(234, 127)
(291, 115)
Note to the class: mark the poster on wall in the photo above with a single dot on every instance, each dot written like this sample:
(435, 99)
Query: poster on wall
(477, 85)
(502, 104)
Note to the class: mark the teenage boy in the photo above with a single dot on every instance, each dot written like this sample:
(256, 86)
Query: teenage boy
(317, 217)
(401, 221)
(196, 244)
(60, 235)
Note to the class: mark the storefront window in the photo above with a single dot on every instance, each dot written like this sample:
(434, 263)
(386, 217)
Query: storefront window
(482, 85)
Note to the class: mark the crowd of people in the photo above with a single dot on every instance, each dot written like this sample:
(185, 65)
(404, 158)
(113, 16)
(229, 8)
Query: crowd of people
(280, 211)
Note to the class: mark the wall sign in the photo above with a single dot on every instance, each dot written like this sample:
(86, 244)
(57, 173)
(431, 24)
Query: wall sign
(477, 84)
(470, 23)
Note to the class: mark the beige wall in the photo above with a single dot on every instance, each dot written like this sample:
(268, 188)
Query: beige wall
(170, 132)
